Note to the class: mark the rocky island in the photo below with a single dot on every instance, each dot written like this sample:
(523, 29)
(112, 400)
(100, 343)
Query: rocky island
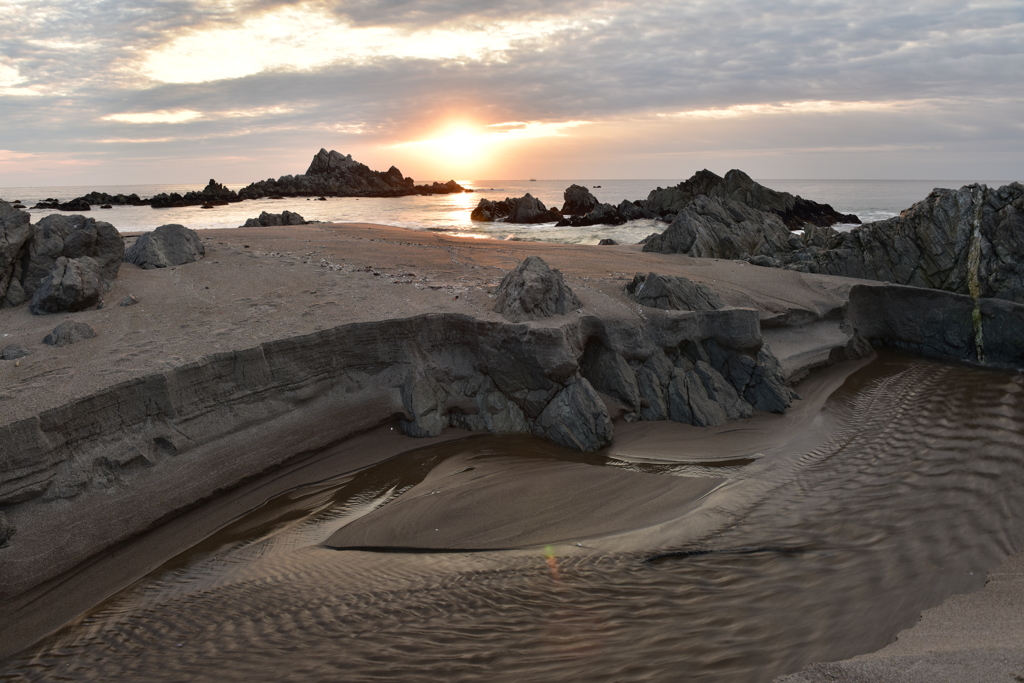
(330, 174)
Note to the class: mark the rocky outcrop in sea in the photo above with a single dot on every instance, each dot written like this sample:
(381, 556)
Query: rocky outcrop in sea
(969, 241)
(338, 175)
(271, 219)
(581, 208)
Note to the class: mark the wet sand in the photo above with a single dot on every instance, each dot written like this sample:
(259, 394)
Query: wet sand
(824, 546)
(262, 284)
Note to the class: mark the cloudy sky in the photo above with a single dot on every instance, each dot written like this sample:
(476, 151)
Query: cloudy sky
(97, 92)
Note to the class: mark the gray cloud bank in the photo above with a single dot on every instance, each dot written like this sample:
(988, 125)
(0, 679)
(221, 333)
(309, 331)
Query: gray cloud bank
(946, 75)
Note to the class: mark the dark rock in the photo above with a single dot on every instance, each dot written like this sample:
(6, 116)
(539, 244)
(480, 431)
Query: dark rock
(15, 231)
(607, 242)
(608, 372)
(168, 245)
(269, 219)
(528, 209)
(78, 204)
(487, 210)
(578, 201)
(669, 292)
(71, 237)
(605, 214)
(13, 352)
(6, 530)
(338, 175)
(533, 290)
(722, 228)
(947, 241)
(69, 332)
(576, 418)
(794, 212)
(423, 399)
(631, 212)
(72, 285)
(129, 300)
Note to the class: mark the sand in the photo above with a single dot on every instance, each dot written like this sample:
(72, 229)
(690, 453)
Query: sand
(260, 284)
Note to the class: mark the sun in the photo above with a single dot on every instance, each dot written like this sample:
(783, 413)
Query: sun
(460, 143)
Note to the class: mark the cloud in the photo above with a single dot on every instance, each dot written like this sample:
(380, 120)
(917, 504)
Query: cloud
(265, 74)
(155, 117)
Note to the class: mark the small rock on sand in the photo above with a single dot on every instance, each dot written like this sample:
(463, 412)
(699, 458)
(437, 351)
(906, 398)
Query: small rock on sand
(13, 352)
(69, 332)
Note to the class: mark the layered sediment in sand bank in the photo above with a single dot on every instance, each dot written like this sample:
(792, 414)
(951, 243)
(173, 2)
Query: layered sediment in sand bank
(283, 341)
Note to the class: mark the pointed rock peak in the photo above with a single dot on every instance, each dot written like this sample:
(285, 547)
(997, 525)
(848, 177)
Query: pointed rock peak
(533, 290)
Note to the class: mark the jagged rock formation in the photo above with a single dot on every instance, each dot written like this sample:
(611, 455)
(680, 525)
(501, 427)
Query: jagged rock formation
(526, 209)
(269, 219)
(794, 211)
(723, 228)
(168, 245)
(69, 332)
(67, 264)
(670, 292)
(338, 175)
(969, 241)
(532, 290)
(213, 194)
(579, 201)
(15, 231)
(72, 285)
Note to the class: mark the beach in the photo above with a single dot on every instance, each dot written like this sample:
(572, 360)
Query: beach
(282, 298)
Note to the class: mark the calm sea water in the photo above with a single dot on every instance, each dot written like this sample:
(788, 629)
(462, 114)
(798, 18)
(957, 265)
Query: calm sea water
(871, 200)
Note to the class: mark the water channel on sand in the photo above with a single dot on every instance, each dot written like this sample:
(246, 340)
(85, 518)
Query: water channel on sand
(904, 489)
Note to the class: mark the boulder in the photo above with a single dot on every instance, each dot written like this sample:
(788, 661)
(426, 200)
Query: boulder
(794, 211)
(72, 285)
(129, 300)
(722, 228)
(576, 418)
(533, 290)
(268, 219)
(605, 214)
(168, 245)
(529, 209)
(607, 242)
(71, 237)
(672, 293)
(489, 211)
(15, 231)
(69, 332)
(77, 204)
(578, 201)
(631, 212)
(13, 352)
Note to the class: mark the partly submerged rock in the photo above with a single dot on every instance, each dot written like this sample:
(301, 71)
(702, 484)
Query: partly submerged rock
(578, 201)
(168, 245)
(672, 293)
(533, 290)
(722, 228)
(69, 332)
(72, 285)
(270, 219)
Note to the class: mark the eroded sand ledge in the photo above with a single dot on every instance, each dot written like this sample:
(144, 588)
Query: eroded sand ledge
(285, 340)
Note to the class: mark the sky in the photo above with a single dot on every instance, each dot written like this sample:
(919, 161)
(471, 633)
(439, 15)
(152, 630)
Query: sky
(101, 92)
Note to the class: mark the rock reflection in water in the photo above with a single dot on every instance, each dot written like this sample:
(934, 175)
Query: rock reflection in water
(906, 492)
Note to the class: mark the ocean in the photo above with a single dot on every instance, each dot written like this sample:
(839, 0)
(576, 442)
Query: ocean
(871, 200)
